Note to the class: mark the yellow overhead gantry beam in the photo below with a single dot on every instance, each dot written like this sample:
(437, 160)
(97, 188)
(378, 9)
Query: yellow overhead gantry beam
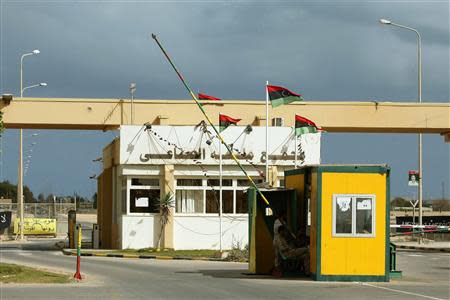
(332, 116)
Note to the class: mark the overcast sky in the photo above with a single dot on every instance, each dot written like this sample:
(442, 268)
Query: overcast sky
(326, 50)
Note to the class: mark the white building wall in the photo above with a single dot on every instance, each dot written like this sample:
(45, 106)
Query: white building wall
(139, 231)
(202, 232)
(140, 157)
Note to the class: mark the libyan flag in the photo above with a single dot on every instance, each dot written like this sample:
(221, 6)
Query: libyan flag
(206, 97)
(225, 121)
(303, 125)
(279, 95)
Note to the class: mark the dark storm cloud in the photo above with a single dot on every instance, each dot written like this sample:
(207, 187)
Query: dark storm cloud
(99, 48)
(325, 50)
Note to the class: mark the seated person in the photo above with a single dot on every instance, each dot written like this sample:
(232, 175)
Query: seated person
(286, 248)
(279, 221)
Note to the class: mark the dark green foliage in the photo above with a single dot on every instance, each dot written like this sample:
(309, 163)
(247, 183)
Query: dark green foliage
(165, 204)
(400, 202)
(9, 191)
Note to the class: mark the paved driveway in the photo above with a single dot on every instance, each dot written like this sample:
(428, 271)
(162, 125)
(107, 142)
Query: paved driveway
(426, 277)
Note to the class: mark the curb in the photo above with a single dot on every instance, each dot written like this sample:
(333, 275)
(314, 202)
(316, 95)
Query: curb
(158, 257)
(446, 250)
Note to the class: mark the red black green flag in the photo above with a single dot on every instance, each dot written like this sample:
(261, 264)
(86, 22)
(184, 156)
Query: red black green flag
(279, 95)
(303, 125)
(225, 121)
(206, 97)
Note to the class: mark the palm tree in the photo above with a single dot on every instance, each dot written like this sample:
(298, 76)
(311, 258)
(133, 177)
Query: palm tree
(165, 205)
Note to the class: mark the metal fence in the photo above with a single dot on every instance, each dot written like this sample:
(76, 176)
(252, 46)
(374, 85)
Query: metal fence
(40, 210)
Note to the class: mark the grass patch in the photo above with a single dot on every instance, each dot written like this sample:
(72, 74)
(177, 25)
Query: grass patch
(10, 273)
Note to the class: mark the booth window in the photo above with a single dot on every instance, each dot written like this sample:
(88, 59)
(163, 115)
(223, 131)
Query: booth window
(144, 194)
(364, 207)
(353, 215)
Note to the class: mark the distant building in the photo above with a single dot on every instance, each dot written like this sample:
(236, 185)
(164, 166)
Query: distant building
(5, 201)
(147, 162)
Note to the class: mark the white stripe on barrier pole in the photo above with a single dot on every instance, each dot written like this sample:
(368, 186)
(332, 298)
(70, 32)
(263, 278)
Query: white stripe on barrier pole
(421, 226)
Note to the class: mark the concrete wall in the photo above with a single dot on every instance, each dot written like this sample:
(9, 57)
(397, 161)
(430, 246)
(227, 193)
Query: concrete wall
(190, 232)
(139, 231)
(202, 232)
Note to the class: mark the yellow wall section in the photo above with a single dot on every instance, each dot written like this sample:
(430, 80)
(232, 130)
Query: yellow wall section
(356, 255)
(297, 182)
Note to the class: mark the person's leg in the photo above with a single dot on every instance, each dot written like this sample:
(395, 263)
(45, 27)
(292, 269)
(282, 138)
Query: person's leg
(297, 252)
(276, 262)
(305, 261)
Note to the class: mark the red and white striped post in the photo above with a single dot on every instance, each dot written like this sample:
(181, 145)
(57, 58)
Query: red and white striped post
(77, 274)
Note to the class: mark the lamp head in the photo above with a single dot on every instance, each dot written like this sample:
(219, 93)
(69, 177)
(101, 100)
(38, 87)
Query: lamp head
(43, 84)
(7, 98)
(248, 129)
(36, 51)
(385, 22)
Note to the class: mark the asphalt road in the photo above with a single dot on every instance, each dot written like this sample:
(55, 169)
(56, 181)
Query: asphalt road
(426, 276)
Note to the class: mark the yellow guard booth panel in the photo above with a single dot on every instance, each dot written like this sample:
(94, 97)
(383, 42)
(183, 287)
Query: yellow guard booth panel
(348, 220)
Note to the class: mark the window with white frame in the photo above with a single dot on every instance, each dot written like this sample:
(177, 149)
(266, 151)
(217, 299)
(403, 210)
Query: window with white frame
(213, 196)
(202, 195)
(189, 196)
(144, 194)
(353, 215)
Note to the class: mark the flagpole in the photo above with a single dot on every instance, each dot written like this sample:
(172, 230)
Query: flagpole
(263, 197)
(295, 145)
(267, 133)
(220, 191)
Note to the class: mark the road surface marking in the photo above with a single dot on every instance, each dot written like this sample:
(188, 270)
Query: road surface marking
(415, 255)
(400, 291)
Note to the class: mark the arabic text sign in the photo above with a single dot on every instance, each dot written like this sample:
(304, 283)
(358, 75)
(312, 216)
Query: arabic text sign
(36, 226)
(185, 144)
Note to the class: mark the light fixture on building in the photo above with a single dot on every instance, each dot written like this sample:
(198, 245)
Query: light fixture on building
(7, 98)
(248, 129)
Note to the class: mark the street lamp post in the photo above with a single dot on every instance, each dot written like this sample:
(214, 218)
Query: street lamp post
(419, 61)
(20, 171)
(132, 91)
(33, 86)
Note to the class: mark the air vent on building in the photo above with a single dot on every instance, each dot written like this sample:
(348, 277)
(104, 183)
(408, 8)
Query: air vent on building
(278, 122)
